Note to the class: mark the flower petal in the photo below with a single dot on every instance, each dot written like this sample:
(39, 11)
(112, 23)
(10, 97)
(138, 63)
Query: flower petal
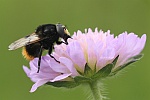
(68, 63)
(57, 67)
(76, 54)
(106, 58)
(38, 83)
(91, 53)
(26, 70)
(60, 77)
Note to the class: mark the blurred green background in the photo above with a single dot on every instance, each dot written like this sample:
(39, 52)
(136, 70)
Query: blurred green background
(21, 17)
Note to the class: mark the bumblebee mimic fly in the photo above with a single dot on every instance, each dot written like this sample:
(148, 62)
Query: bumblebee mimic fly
(43, 38)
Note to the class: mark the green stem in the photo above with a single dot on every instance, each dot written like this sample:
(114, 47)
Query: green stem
(95, 89)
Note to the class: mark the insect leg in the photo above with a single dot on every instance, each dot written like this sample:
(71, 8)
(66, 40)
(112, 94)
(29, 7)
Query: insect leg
(60, 42)
(50, 51)
(39, 61)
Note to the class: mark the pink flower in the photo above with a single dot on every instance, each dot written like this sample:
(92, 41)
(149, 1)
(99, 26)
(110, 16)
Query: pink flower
(48, 73)
(96, 49)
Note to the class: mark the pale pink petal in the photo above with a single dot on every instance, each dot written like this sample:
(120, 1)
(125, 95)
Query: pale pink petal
(143, 41)
(140, 45)
(106, 58)
(76, 54)
(38, 83)
(99, 48)
(92, 58)
(69, 64)
(57, 67)
(60, 77)
(26, 70)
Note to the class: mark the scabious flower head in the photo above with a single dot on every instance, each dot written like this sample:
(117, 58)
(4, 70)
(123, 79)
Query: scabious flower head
(89, 55)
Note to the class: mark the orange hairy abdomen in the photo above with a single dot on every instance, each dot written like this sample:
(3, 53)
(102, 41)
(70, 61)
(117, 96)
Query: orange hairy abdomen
(26, 54)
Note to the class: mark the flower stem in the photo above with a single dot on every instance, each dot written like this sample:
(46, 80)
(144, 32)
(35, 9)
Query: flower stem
(95, 89)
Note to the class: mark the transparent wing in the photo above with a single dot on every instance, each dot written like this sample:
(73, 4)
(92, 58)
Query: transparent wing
(24, 41)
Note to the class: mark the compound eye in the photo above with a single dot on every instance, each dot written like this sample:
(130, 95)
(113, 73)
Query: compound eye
(66, 31)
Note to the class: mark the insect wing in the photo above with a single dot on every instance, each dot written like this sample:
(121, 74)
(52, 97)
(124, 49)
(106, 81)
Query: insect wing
(24, 41)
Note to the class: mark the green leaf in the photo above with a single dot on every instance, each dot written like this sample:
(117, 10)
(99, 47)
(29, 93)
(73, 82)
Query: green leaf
(115, 61)
(130, 61)
(81, 79)
(66, 84)
(104, 72)
(88, 72)
(121, 67)
(137, 57)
